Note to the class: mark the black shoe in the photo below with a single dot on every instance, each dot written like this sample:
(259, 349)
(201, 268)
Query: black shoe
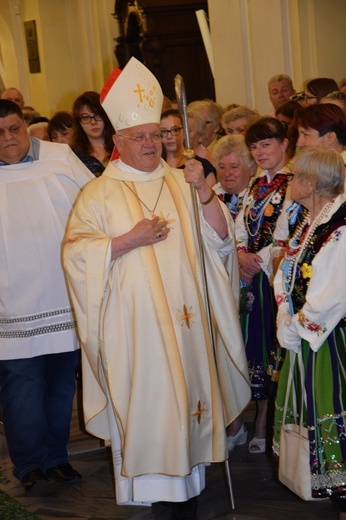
(185, 510)
(34, 480)
(162, 510)
(63, 472)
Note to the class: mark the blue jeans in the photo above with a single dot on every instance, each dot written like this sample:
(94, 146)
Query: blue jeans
(36, 396)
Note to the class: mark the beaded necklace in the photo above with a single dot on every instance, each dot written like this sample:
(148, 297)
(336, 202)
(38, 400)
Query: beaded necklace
(296, 247)
(262, 191)
(257, 216)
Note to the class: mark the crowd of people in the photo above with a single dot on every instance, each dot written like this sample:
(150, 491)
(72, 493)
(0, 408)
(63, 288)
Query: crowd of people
(193, 285)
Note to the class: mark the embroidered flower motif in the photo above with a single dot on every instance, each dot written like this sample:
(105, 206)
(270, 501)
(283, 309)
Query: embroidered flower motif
(306, 270)
(319, 329)
(250, 301)
(260, 219)
(276, 199)
(269, 210)
(247, 299)
(302, 318)
(280, 298)
(310, 325)
(335, 237)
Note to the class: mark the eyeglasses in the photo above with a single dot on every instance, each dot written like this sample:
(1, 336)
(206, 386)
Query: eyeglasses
(85, 120)
(289, 177)
(173, 131)
(301, 96)
(307, 97)
(141, 139)
(298, 97)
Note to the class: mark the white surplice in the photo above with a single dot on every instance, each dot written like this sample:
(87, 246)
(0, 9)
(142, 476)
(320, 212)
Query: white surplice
(35, 200)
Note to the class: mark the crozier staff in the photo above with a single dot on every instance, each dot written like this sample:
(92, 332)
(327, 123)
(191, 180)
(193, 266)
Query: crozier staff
(150, 380)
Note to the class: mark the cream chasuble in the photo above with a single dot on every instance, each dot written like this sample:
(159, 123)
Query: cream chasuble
(150, 380)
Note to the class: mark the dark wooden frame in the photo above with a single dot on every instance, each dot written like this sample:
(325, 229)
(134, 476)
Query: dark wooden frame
(165, 36)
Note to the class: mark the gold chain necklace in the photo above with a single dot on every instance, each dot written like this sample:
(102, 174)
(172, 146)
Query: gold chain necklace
(151, 211)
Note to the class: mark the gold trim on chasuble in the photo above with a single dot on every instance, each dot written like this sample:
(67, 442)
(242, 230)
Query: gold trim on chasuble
(162, 311)
(157, 290)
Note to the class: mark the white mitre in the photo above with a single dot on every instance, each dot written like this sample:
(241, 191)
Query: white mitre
(132, 96)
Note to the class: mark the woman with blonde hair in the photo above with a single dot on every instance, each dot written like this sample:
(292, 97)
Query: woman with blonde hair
(236, 120)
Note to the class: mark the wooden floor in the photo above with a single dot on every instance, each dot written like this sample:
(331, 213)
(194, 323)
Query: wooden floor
(258, 496)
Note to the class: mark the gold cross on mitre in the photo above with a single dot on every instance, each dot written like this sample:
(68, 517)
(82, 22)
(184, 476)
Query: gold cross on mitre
(139, 91)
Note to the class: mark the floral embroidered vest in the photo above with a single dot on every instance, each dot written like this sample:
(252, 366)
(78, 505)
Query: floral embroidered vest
(259, 218)
(304, 271)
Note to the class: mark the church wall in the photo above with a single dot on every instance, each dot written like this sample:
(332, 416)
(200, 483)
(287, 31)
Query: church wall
(75, 39)
(256, 39)
(324, 48)
(252, 41)
(12, 59)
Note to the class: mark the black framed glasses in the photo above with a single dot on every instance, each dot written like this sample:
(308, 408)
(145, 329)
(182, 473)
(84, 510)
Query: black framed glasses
(142, 138)
(174, 131)
(85, 120)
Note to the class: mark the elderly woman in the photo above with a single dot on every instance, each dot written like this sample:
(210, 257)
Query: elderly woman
(255, 225)
(236, 120)
(39, 130)
(336, 98)
(310, 289)
(204, 124)
(235, 167)
(318, 125)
